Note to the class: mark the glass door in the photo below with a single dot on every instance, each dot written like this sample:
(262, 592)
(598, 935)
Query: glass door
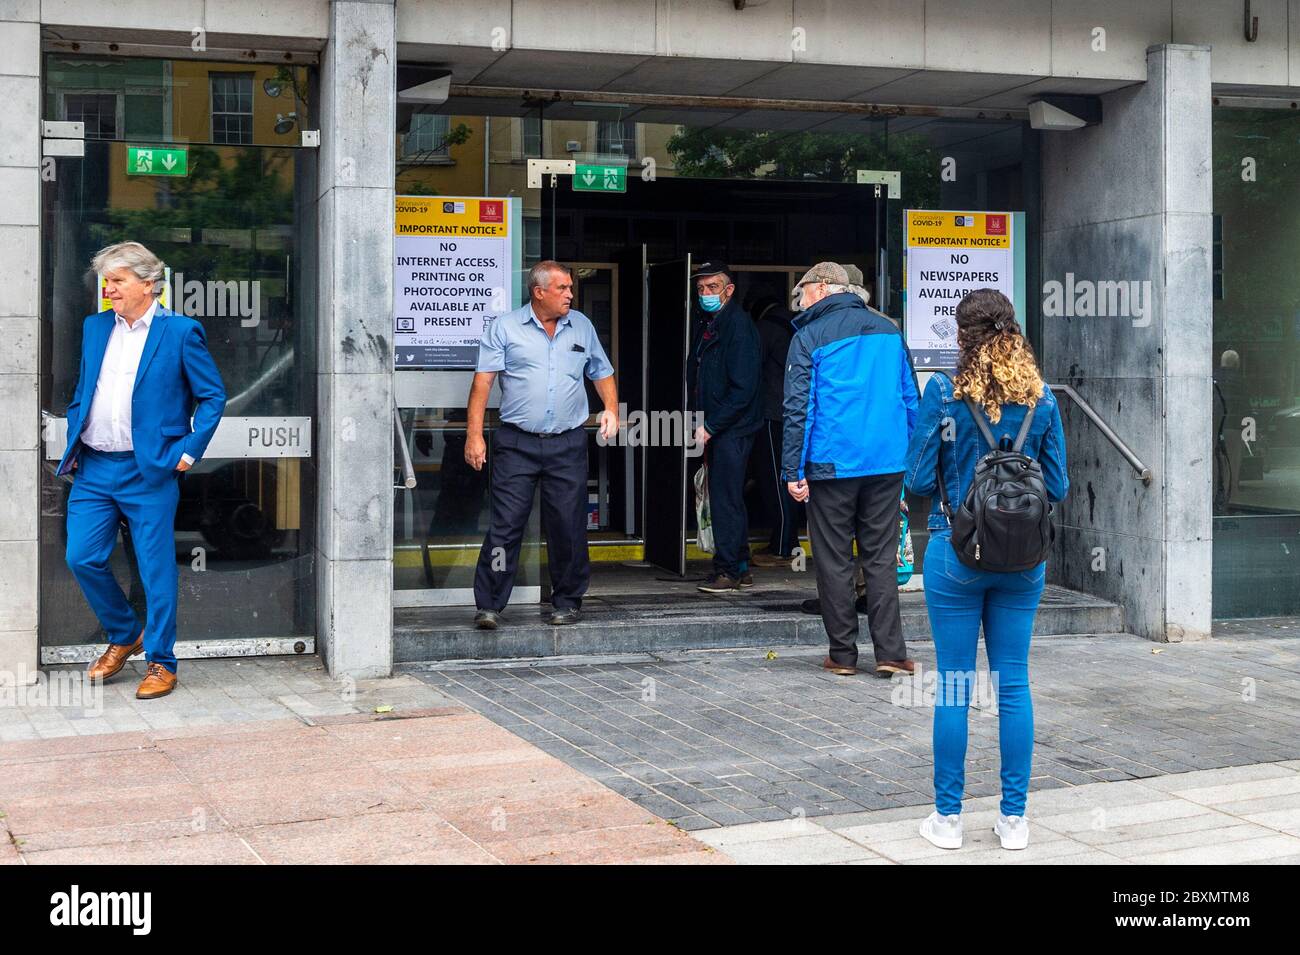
(668, 291)
(199, 162)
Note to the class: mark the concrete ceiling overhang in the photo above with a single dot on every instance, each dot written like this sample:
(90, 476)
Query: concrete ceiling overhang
(744, 94)
(168, 44)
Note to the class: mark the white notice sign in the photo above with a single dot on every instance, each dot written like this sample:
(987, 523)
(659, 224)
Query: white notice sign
(453, 272)
(948, 255)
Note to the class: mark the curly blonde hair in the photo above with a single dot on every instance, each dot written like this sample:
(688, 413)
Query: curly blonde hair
(995, 365)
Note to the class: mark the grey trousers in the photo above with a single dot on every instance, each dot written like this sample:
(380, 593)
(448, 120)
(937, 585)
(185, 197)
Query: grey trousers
(866, 508)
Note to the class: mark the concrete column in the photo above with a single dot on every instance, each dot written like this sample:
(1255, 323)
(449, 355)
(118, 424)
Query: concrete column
(1129, 201)
(354, 569)
(20, 355)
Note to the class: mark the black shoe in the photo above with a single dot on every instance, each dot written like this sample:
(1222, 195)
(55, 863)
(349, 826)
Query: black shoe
(487, 619)
(719, 584)
(746, 579)
(559, 618)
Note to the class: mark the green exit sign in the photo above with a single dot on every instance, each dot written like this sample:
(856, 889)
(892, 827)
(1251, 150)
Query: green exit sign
(156, 161)
(592, 178)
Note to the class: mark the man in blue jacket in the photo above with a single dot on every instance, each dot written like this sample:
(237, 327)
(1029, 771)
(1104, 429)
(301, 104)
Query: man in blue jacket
(724, 365)
(144, 371)
(850, 408)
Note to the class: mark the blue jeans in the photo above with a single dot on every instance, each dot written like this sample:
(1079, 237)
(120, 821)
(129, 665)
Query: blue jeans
(959, 599)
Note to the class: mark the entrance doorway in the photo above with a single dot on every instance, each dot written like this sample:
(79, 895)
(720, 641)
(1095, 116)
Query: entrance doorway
(237, 234)
(769, 201)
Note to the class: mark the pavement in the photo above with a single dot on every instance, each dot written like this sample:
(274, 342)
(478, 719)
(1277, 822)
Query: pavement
(1238, 815)
(720, 738)
(269, 761)
(1176, 753)
(1143, 752)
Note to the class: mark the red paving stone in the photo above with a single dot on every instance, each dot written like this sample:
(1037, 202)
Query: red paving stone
(435, 786)
(403, 838)
(219, 848)
(122, 815)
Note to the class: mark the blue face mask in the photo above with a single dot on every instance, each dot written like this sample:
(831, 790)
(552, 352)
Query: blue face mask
(711, 303)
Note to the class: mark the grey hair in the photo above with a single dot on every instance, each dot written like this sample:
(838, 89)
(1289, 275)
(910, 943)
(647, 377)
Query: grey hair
(539, 276)
(1230, 359)
(130, 255)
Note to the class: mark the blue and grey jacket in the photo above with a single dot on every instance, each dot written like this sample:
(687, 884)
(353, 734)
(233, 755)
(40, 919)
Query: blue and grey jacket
(850, 393)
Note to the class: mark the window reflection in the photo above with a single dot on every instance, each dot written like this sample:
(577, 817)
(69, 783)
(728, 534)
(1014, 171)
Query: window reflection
(1255, 405)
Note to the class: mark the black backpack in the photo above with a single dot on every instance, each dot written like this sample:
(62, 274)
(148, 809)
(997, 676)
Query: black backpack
(1005, 522)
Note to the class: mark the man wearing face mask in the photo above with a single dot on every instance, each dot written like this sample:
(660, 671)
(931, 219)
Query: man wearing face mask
(723, 373)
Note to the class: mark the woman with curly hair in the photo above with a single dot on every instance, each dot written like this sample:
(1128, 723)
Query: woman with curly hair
(996, 372)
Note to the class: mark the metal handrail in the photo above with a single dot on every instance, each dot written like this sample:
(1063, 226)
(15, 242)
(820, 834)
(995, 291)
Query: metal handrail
(1143, 472)
(408, 469)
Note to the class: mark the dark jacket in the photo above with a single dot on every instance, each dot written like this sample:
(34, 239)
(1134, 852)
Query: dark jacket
(774, 334)
(850, 393)
(724, 367)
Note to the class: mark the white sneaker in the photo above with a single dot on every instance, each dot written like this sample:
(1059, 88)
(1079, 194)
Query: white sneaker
(942, 831)
(1013, 831)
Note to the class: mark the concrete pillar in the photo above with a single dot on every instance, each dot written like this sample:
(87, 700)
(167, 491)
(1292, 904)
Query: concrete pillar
(20, 355)
(354, 545)
(1130, 200)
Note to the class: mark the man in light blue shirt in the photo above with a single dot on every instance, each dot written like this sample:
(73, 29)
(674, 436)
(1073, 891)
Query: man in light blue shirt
(542, 352)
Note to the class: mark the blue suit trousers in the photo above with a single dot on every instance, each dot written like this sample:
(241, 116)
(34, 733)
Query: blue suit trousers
(107, 486)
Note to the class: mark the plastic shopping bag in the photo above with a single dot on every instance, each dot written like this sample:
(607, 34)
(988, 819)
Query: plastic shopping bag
(906, 556)
(703, 519)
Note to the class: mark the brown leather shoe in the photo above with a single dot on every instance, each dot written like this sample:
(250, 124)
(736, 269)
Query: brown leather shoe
(838, 669)
(886, 667)
(158, 681)
(114, 658)
(767, 559)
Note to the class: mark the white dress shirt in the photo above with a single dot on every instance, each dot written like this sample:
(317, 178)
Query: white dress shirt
(108, 428)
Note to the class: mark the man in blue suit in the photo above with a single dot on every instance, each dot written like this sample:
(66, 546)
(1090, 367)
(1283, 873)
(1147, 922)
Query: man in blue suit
(144, 369)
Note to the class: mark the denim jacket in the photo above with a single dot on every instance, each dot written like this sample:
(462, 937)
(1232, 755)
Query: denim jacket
(1045, 443)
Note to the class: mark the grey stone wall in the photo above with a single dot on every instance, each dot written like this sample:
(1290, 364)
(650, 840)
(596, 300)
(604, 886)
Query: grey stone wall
(1130, 200)
(354, 547)
(20, 147)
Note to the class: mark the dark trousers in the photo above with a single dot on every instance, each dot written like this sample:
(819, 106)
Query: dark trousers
(520, 461)
(839, 510)
(728, 462)
(784, 513)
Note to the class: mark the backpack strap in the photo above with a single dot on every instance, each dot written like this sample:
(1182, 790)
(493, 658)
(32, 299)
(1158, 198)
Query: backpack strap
(938, 464)
(985, 430)
(1024, 430)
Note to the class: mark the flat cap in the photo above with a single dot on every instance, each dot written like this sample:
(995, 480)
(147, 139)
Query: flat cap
(830, 272)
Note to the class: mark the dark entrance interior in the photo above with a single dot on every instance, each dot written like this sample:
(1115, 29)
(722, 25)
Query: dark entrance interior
(635, 246)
